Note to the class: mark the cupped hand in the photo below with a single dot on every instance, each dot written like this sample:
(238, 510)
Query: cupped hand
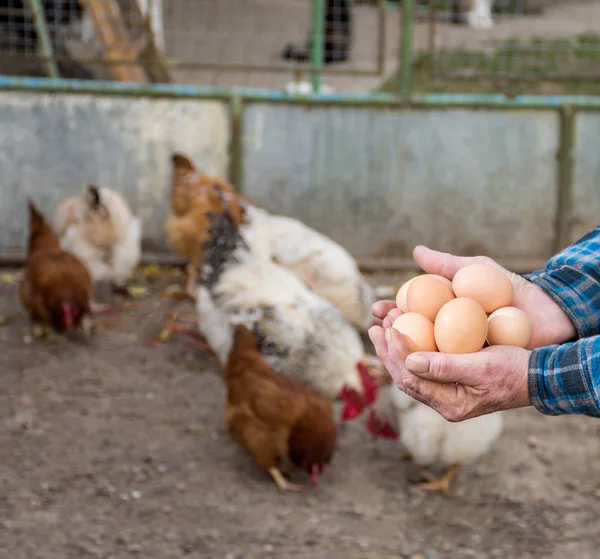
(463, 386)
(457, 386)
(551, 325)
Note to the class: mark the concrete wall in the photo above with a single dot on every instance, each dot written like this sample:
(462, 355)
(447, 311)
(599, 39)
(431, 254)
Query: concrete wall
(586, 174)
(382, 181)
(52, 145)
(377, 180)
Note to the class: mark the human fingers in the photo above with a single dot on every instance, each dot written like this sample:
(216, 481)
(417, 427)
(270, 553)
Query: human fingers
(380, 309)
(434, 378)
(446, 264)
(451, 400)
(397, 352)
(492, 379)
(391, 318)
(377, 337)
(447, 367)
(393, 361)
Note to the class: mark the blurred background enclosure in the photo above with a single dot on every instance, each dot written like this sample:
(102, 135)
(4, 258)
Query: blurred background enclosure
(330, 110)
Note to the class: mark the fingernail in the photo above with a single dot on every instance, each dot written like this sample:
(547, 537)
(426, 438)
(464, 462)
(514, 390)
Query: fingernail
(370, 332)
(388, 335)
(417, 363)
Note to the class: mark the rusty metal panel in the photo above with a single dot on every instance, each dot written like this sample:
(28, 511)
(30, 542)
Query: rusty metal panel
(381, 181)
(52, 145)
(586, 175)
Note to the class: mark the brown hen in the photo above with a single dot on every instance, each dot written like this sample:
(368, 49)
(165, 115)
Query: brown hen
(56, 287)
(195, 199)
(274, 418)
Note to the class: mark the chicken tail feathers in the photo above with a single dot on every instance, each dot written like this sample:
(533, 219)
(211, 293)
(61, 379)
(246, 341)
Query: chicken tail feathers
(182, 163)
(93, 195)
(35, 216)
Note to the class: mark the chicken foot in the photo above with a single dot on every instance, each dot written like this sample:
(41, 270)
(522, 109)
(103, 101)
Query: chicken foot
(40, 331)
(173, 327)
(441, 484)
(282, 484)
(87, 326)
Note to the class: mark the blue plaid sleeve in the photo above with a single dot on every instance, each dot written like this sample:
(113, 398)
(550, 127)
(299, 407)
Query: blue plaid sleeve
(565, 379)
(572, 279)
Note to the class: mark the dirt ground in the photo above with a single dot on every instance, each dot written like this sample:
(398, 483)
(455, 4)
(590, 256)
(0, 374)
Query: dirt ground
(116, 449)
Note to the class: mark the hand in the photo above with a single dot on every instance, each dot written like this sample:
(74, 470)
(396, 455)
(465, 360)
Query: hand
(457, 386)
(464, 386)
(551, 325)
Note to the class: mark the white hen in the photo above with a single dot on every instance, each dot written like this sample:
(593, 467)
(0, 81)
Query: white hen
(324, 266)
(99, 228)
(428, 438)
(300, 334)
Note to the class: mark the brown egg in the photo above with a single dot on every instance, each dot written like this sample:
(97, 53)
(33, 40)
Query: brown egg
(485, 284)
(444, 280)
(427, 295)
(509, 326)
(401, 296)
(418, 331)
(460, 326)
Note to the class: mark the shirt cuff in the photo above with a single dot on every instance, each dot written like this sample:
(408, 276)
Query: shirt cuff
(558, 283)
(559, 381)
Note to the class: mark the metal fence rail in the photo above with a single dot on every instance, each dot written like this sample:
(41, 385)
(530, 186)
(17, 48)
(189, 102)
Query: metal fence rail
(193, 41)
(358, 168)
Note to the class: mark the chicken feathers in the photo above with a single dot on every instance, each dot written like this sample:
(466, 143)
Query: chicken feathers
(324, 266)
(274, 418)
(101, 231)
(428, 437)
(55, 289)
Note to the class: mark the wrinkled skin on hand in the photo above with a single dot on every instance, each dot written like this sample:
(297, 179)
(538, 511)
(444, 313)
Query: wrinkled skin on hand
(463, 386)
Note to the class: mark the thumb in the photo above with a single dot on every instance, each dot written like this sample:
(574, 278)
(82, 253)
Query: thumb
(441, 263)
(446, 368)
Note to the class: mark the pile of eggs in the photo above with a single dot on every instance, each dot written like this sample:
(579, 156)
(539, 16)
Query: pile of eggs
(462, 315)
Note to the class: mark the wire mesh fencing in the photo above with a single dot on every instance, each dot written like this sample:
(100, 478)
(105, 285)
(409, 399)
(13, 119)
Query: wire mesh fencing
(214, 42)
(518, 39)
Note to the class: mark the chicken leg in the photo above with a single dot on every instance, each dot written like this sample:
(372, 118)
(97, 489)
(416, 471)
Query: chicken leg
(87, 326)
(40, 331)
(439, 484)
(190, 282)
(282, 484)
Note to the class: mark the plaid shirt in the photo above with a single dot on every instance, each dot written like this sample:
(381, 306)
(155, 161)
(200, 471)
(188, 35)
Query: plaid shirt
(566, 378)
